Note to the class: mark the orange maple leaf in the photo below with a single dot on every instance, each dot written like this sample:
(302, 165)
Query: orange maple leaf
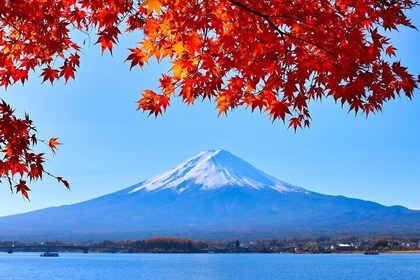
(152, 5)
(53, 143)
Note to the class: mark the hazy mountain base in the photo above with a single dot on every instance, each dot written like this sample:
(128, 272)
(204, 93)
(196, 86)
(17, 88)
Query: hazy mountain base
(284, 215)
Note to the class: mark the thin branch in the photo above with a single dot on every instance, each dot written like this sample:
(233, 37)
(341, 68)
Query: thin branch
(275, 27)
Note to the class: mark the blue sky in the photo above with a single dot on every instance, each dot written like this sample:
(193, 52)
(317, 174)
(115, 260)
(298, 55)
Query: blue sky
(109, 146)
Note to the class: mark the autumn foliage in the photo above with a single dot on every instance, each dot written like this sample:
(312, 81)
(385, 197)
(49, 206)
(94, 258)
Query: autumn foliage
(275, 56)
(17, 138)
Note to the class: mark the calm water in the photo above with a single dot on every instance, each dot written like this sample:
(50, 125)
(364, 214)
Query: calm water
(209, 266)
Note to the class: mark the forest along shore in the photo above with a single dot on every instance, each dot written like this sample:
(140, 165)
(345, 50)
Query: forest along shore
(322, 245)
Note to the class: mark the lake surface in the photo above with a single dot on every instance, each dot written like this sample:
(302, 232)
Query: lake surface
(209, 266)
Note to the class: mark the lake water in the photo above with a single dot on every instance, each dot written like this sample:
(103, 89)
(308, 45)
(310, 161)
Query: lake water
(209, 266)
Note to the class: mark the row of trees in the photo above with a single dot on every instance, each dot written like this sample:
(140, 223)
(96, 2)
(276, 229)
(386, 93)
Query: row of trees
(159, 244)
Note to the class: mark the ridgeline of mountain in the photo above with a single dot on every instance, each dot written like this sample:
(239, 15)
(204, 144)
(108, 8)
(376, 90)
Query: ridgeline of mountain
(212, 195)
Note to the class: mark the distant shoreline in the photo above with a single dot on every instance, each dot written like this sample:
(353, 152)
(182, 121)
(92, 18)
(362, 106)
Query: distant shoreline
(413, 252)
(225, 253)
(349, 245)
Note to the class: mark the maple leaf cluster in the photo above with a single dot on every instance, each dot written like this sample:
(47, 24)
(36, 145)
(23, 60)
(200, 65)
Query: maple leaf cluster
(275, 56)
(36, 33)
(18, 161)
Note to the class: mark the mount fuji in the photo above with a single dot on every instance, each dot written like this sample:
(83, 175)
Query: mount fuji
(212, 195)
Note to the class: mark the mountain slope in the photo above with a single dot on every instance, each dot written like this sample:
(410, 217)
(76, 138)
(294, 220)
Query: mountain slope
(213, 194)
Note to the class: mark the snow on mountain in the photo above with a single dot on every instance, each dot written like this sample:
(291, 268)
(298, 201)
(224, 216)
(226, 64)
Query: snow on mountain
(212, 170)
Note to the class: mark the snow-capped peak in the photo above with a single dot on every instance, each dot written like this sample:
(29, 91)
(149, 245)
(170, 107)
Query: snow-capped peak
(211, 170)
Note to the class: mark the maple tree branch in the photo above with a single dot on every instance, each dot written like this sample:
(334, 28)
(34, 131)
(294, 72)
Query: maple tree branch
(273, 25)
(248, 9)
(283, 33)
(204, 39)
